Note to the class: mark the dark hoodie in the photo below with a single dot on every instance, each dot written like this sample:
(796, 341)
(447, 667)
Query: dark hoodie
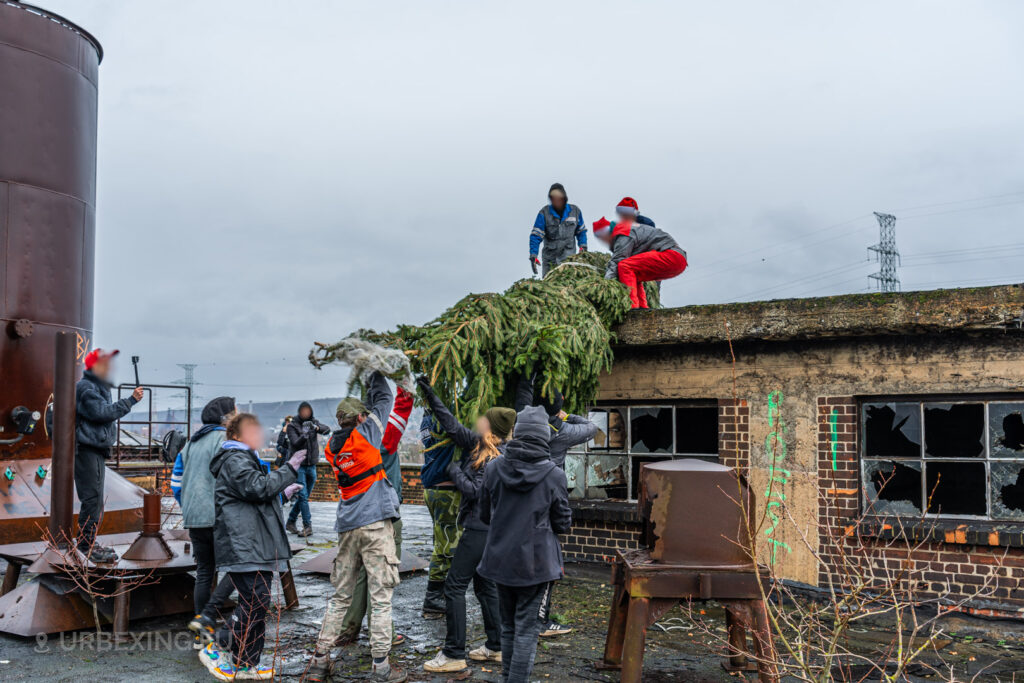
(526, 503)
(249, 530)
(302, 435)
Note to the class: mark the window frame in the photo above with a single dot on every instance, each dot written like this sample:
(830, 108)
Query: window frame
(923, 459)
(627, 454)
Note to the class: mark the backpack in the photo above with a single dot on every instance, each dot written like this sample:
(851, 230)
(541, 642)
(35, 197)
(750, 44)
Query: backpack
(171, 445)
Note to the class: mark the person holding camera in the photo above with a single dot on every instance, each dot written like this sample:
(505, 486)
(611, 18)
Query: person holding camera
(302, 436)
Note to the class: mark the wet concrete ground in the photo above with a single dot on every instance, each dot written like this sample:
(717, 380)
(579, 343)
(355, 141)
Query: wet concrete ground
(162, 650)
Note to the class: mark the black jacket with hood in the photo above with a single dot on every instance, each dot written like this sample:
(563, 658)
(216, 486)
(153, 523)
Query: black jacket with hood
(249, 529)
(302, 435)
(96, 413)
(525, 502)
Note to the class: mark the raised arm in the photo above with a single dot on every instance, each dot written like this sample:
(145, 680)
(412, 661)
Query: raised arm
(524, 392)
(94, 408)
(460, 435)
(379, 399)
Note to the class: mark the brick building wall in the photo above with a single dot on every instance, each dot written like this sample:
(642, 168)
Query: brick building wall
(951, 560)
(412, 487)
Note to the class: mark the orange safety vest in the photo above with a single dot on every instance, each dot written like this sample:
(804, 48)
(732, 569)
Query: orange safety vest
(357, 466)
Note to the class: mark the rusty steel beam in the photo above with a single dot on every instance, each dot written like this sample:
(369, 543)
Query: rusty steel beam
(62, 492)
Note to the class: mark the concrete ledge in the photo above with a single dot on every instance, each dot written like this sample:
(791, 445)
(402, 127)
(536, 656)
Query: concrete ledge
(939, 311)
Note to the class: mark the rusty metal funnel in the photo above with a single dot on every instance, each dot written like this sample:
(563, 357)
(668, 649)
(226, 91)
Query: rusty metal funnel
(150, 545)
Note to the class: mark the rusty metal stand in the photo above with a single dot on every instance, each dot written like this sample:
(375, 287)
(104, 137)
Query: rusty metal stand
(644, 591)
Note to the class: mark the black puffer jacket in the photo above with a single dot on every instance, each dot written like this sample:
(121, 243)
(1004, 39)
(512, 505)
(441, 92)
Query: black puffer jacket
(526, 503)
(96, 413)
(302, 436)
(249, 528)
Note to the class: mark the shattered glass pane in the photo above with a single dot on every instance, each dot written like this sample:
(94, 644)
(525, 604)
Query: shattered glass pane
(954, 430)
(892, 430)
(1006, 430)
(574, 464)
(651, 430)
(892, 487)
(956, 488)
(600, 440)
(638, 462)
(697, 430)
(606, 476)
(1008, 490)
(617, 429)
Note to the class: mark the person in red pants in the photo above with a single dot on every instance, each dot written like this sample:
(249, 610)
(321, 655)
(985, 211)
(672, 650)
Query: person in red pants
(640, 253)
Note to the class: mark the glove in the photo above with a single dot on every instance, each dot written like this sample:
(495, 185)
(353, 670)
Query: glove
(297, 458)
(534, 261)
(424, 384)
(291, 490)
(583, 249)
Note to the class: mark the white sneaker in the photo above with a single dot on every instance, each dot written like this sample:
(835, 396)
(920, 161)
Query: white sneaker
(485, 654)
(444, 664)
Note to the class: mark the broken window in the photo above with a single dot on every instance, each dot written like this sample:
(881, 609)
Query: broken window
(1006, 430)
(955, 458)
(1007, 490)
(697, 430)
(574, 464)
(892, 430)
(651, 430)
(606, 476)
(956, 488)
(892, 487)
(954, 430)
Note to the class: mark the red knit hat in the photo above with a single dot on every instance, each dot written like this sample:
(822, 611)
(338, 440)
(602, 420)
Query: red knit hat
(602, 227)
(627, 207)
(96, 355)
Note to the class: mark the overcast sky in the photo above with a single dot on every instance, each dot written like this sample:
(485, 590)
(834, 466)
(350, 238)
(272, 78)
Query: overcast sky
(276, 173)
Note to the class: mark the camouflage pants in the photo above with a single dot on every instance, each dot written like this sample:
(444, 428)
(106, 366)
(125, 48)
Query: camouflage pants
(357, 610)
(444, 511)
(371, 547)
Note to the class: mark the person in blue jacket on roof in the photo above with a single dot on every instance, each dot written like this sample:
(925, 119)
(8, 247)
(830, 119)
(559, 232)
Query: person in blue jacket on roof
(560, 227)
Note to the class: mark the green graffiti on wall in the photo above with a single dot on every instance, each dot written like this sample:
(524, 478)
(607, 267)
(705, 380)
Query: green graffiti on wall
(833, 431)
(778, 476)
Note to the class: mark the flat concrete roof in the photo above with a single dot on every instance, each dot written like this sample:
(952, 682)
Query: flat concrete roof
(938, 311)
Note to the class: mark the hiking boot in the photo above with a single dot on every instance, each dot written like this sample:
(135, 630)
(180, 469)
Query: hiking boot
(319, 668)
(254, 673)
(555, 629)
(306, 532)
(383, 672)
(442, 663)
(485, 654)
(99, 554)
(290, 528)
(202, 627)
(433, 600)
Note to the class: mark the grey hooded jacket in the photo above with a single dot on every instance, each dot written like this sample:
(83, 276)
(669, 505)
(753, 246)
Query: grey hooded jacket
(641, 238)
(96, 413)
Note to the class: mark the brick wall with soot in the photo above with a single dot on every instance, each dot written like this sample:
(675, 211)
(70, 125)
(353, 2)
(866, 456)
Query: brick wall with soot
(326, 487)
(952, 560)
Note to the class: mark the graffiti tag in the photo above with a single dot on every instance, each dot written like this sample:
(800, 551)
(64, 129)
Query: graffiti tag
(778, 476)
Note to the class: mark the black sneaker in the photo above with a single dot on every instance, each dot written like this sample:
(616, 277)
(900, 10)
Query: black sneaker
(290, 528)
(555, 629)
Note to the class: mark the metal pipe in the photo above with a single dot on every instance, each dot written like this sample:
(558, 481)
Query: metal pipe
(151, 513)
(63, 463)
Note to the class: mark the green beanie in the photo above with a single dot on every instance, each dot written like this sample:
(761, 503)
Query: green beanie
(350, 407)
(502, 421)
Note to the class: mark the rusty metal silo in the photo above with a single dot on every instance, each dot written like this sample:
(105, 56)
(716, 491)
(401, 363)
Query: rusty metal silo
(48, 119)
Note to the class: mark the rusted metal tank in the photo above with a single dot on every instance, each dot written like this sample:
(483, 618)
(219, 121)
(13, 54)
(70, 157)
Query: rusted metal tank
(696, 513)
(48, 116)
